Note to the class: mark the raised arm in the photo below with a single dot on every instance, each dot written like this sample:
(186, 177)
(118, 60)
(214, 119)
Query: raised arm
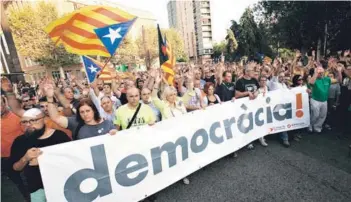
(12, 101)
(52, 109)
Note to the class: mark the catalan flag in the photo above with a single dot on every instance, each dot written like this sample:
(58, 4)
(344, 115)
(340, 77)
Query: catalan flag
(167, 59)
(77, 30)
(94, 67)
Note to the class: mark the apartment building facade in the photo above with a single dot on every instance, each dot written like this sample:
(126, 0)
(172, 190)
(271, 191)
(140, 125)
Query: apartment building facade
(193, 20)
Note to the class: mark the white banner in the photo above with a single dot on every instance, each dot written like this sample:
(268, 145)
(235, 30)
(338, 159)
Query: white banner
(139, 162)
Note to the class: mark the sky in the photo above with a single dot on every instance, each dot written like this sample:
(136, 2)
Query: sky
(222, 11)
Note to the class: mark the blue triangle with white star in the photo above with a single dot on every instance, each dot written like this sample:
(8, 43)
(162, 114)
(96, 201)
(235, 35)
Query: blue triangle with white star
(91, 69)
(112, 36)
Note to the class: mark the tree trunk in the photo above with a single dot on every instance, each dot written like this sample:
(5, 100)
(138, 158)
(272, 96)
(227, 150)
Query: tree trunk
(319, 46)
(325, 39)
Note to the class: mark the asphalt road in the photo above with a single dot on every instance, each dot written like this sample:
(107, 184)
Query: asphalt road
(315, 169)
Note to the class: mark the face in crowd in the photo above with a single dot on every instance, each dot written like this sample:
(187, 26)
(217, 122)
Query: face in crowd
(146, 95)
(281, 77)
(106, 104)
(133, 96)
(197, 75)
(88, 112)
(170, 94)
(68, 93)
(33, 120)
(107, 89)
(207, 73)
(100, 85)
(197, 84)
(227, 76)
(209, 89)
(249, 72)
(263, 81)
(320, 72)
(3, 106)
(27, 102)
(129, 84)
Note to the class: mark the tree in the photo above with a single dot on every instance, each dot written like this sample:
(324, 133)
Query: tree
(302, 25)
(126, 52)
(27, 25)
(218, 50)
(151, 40)
(251, 38)
(232, 44)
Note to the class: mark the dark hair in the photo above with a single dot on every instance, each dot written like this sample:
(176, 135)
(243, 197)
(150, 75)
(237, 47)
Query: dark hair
(225, 73)
(295, 80)
(207, 86)
(89, 103)
(64, 88)
(81, 123)
(107, 84)
(45, 99)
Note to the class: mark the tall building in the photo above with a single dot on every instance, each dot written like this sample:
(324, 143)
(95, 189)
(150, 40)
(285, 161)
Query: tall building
(193, 20)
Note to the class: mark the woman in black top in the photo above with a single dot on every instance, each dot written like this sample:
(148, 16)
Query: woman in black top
(210, 98)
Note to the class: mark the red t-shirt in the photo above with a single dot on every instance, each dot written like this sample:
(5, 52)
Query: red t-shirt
(10, 130)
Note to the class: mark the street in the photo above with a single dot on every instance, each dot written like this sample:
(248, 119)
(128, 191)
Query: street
(317, 168)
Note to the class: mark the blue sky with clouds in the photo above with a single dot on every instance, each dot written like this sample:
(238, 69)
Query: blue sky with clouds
(222, 12)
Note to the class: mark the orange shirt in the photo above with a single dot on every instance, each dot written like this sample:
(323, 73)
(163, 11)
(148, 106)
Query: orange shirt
(51, 124)
(10, 130)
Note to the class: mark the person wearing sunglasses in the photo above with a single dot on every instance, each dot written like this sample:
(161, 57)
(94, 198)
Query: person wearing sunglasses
(26, 149)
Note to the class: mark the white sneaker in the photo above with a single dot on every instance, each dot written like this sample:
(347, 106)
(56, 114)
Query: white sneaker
(263, 142)
(186, 181)
(250, 147)
(310, 129)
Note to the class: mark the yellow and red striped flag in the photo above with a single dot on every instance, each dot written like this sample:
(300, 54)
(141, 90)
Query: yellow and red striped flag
(167, 58)
(76, 30)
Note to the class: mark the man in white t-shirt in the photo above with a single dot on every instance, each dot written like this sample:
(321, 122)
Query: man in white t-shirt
(277, 82)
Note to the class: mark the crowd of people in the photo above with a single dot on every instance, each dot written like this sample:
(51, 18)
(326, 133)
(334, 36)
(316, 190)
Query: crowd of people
(57, 111)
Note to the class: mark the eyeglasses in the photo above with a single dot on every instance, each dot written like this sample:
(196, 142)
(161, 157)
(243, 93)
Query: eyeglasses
(31, 121)
(25, 100)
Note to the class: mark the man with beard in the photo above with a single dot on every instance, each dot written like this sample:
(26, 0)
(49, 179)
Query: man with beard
(25, 150)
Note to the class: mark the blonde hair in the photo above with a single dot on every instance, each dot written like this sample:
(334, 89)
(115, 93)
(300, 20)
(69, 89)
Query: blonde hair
(167, 91)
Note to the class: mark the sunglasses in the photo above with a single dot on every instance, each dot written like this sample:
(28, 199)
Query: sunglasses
(26, 100)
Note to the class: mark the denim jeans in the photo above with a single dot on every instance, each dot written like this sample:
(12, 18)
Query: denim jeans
(284, 136)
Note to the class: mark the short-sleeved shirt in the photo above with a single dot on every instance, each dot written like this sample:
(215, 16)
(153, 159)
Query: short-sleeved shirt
(247, 85)
(10, 130)
(320, 89)
(22, 144)
(124, 114)
(226, 91)
(87, 131)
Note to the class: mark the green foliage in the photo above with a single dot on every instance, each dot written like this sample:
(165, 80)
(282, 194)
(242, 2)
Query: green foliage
(232, 44)
(27, 25)
(299, 24)
(250, 38)
(218, 49)
(126, 53)
(151, 42)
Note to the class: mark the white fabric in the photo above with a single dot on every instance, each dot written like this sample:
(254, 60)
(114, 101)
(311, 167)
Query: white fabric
(274, 84)
(206, 99)
(32, 113)
(318, 114)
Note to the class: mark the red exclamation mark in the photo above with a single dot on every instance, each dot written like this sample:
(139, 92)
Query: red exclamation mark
(299, 112)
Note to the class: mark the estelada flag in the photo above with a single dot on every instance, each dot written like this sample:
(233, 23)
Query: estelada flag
(94, 67)
(167, 59)
(77, 30)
